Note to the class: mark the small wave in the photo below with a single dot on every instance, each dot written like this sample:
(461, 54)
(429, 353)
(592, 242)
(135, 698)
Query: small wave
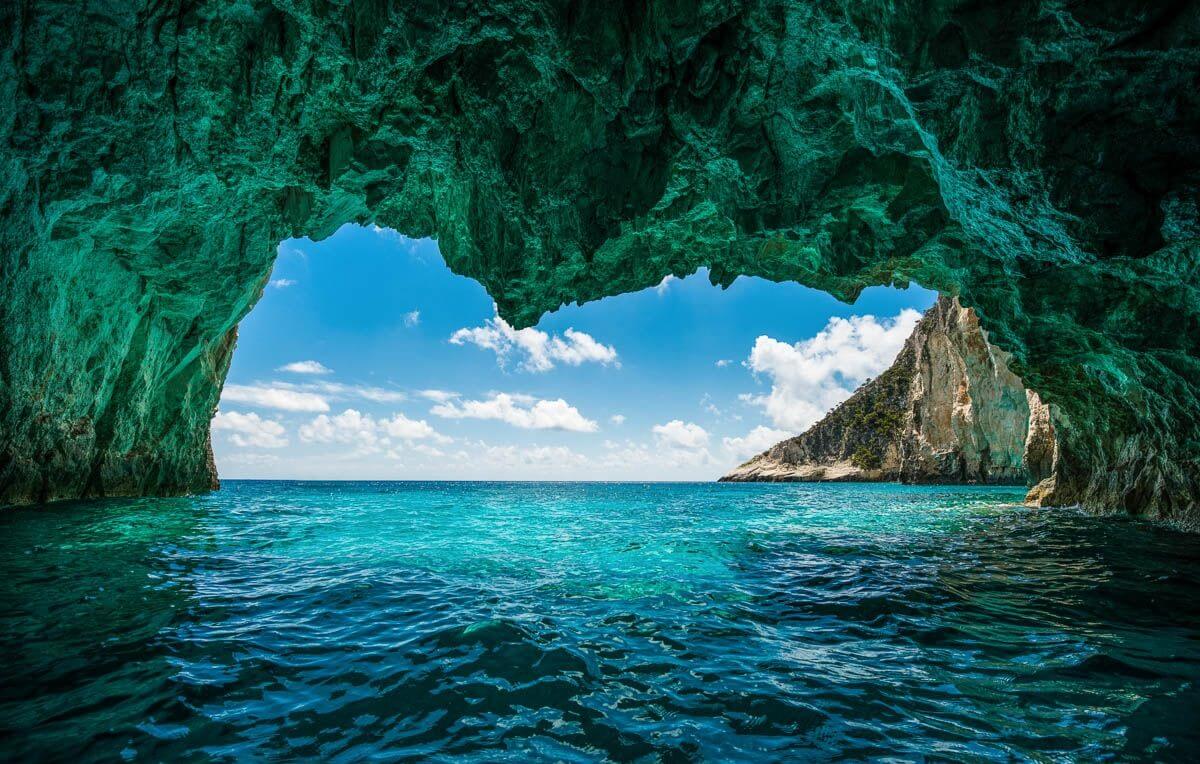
(446, 621)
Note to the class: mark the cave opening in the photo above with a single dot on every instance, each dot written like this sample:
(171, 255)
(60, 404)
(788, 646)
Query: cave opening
(1035, 163)
(1045, 173)
(367, 358)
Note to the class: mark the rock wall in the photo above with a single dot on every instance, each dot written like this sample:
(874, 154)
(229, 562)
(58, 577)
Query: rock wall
(1040, 159)
(968, 413)
(948, 410)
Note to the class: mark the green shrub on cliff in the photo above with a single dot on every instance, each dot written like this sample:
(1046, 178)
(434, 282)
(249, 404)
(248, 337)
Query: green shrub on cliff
(865, 459)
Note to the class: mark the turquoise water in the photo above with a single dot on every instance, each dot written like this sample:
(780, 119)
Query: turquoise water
(577, 622)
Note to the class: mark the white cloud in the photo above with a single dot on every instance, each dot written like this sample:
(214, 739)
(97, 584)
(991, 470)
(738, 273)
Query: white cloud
(306, 367)
(369, 434)
(412, 246)
(754, 442)
(307, 396)
(279, 396)
(290, 248)
(412, 318)
(651, 461)
(617, 419)
(541, 351)
(438, 396)
(546, 457)
(282, 283)
(350, 426)
(683, 449)
(427, 450)
(706, 403)
(388, 233)
(665, 284)
(519, 411)
(337, 391)
(248, 459)
(400, 426)
(722, 363)
(250, 430)
(679, 434)
(812, 376)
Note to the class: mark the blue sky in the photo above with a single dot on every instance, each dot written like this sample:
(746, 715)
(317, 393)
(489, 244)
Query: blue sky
(368, 359)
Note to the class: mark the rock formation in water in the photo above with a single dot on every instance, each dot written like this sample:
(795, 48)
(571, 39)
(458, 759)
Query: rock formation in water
(948, 410)
(1040, 159)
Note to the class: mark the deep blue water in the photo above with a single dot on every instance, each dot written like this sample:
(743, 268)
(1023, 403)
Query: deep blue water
(519, 622)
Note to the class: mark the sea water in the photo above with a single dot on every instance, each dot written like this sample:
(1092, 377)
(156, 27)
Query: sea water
(588, 621)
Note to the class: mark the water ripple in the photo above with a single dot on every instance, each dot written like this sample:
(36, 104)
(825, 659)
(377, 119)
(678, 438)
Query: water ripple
(582, 622)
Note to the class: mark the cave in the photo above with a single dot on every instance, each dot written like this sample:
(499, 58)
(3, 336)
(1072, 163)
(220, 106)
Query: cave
(1039, 160)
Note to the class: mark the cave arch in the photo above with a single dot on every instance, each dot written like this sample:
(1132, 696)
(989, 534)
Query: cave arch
(1038, 159)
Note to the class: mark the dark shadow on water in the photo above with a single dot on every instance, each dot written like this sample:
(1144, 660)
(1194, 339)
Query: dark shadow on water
(88, 592)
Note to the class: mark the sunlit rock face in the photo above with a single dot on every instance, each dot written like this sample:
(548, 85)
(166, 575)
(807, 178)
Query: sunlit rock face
(968, 417)
(1040, 160)
(948, 410)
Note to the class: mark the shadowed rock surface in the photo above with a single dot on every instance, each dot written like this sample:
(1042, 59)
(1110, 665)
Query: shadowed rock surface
(948, 410)
(1040, 159)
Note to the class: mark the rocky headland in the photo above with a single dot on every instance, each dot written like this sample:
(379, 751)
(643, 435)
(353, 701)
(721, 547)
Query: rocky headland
(948, 410)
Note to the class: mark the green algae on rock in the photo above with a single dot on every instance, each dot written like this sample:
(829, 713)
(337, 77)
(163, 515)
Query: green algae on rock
(1039, 159)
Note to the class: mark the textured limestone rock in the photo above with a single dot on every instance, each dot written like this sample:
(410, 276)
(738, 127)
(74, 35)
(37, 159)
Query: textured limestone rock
(1041, 449)
(968, 413)
(1040, 159)
(948, 410)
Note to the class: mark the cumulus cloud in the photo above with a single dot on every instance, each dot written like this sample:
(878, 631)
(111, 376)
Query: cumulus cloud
(280, 397)
(250, 430)
(310, 397)
(722, 363)
(519, 411)
(665, 284)
(400, 426)
(306, 367)
(388, 233)
(368, 434)
(249, 459)
(550, 457)
(540, 351)
(412, 318)
(427, 450)
(706, 403)
(812, 376)
(412, 246)
(680, 434)
(754, 442)
(339, 391)
(684, 446)
(617, 419)
(282, 283)
(350, 426)
(438, 396)
(651, 460)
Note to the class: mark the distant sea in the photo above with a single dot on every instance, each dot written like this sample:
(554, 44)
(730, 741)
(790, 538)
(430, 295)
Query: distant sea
(587, 621)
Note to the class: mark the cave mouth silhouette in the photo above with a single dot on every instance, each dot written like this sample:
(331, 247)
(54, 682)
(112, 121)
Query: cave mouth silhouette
(365, 350)
(1038, 162)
